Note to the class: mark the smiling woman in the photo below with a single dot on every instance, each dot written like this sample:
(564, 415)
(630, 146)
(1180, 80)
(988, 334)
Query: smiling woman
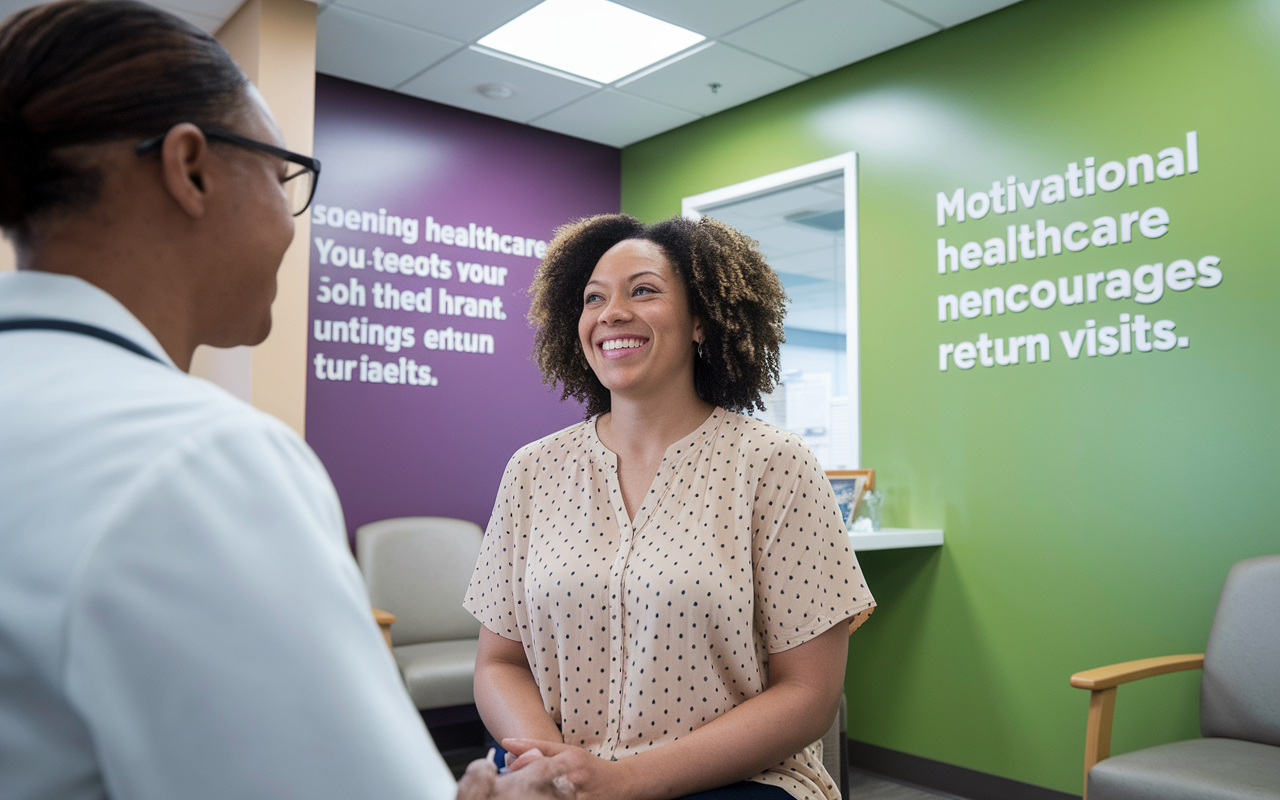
(667, 585)
(729, 288)
(636, 328)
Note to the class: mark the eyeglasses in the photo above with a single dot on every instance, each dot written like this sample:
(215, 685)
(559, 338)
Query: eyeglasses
(300, 186)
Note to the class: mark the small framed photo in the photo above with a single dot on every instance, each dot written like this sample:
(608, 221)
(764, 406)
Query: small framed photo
(850, 485)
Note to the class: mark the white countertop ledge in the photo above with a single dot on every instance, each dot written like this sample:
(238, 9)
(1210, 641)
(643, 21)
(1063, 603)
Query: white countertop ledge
(893, 538)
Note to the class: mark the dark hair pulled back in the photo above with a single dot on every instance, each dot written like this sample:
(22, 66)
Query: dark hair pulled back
(91, 71)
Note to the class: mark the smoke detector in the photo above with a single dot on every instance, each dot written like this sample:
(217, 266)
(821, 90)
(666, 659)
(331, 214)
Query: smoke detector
(496, 91)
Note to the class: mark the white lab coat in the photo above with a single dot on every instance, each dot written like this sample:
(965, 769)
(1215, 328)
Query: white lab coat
(180, 616)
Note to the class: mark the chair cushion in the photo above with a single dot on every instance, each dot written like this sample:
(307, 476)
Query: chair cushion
(1198, 769)
(438, 674)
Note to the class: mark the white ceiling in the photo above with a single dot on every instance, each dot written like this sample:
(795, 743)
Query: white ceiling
(424, 48)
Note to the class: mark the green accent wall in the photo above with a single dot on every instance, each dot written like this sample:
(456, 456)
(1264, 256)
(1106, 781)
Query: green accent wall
(1092, 507)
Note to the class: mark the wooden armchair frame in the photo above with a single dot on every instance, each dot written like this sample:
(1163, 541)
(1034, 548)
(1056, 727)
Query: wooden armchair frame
(385, 619)
(1102, 683)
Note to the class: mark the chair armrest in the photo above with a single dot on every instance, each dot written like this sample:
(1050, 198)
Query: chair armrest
(1102, 683)
(385, 620)
(1116, 674)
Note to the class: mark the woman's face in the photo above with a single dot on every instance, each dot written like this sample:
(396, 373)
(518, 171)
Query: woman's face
(636, 328)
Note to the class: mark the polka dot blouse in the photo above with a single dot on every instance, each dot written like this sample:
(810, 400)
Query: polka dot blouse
(640, 631)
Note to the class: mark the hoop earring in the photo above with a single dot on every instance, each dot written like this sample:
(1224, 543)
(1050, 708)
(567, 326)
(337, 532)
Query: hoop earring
(699, 349)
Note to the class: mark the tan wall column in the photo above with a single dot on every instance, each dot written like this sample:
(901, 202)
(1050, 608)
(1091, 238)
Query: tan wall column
(274, 42)
(8, 259)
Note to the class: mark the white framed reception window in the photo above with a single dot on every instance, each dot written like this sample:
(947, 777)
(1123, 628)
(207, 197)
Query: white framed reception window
(806, 221)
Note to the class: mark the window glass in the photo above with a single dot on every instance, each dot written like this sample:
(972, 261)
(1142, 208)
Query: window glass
(801, 233)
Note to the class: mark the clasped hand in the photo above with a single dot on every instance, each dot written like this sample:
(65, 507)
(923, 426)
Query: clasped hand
(593, 778)
(541, 781)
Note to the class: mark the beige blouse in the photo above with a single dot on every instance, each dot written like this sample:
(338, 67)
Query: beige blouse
(640, 631)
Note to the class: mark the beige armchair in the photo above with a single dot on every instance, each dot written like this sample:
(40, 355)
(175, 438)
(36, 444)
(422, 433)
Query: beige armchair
(417, 570)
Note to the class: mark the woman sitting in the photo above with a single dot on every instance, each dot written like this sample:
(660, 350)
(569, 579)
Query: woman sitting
(665, 589)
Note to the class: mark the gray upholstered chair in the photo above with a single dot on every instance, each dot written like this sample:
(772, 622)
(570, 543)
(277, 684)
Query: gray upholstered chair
(417, 568)
(835, 748)
(1239, 756)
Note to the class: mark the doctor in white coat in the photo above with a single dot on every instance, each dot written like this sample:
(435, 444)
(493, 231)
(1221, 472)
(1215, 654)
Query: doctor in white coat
(180, 616)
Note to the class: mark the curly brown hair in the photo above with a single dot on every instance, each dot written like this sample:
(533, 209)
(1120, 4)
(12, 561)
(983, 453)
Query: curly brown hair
(731, 289)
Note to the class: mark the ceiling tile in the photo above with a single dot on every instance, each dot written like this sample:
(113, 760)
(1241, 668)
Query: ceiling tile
(467, 20)
(8, 7)
(817, 36)
(710, 19)
(613, 118)
(686, 83)
(213, 9)
(454, 81)
(369, 50)
(204, 22)
(953, 12)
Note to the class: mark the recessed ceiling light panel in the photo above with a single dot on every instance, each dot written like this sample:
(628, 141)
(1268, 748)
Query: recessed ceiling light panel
(596, 39)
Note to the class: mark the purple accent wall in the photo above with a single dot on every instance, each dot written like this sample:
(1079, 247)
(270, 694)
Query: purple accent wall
(435, 441)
